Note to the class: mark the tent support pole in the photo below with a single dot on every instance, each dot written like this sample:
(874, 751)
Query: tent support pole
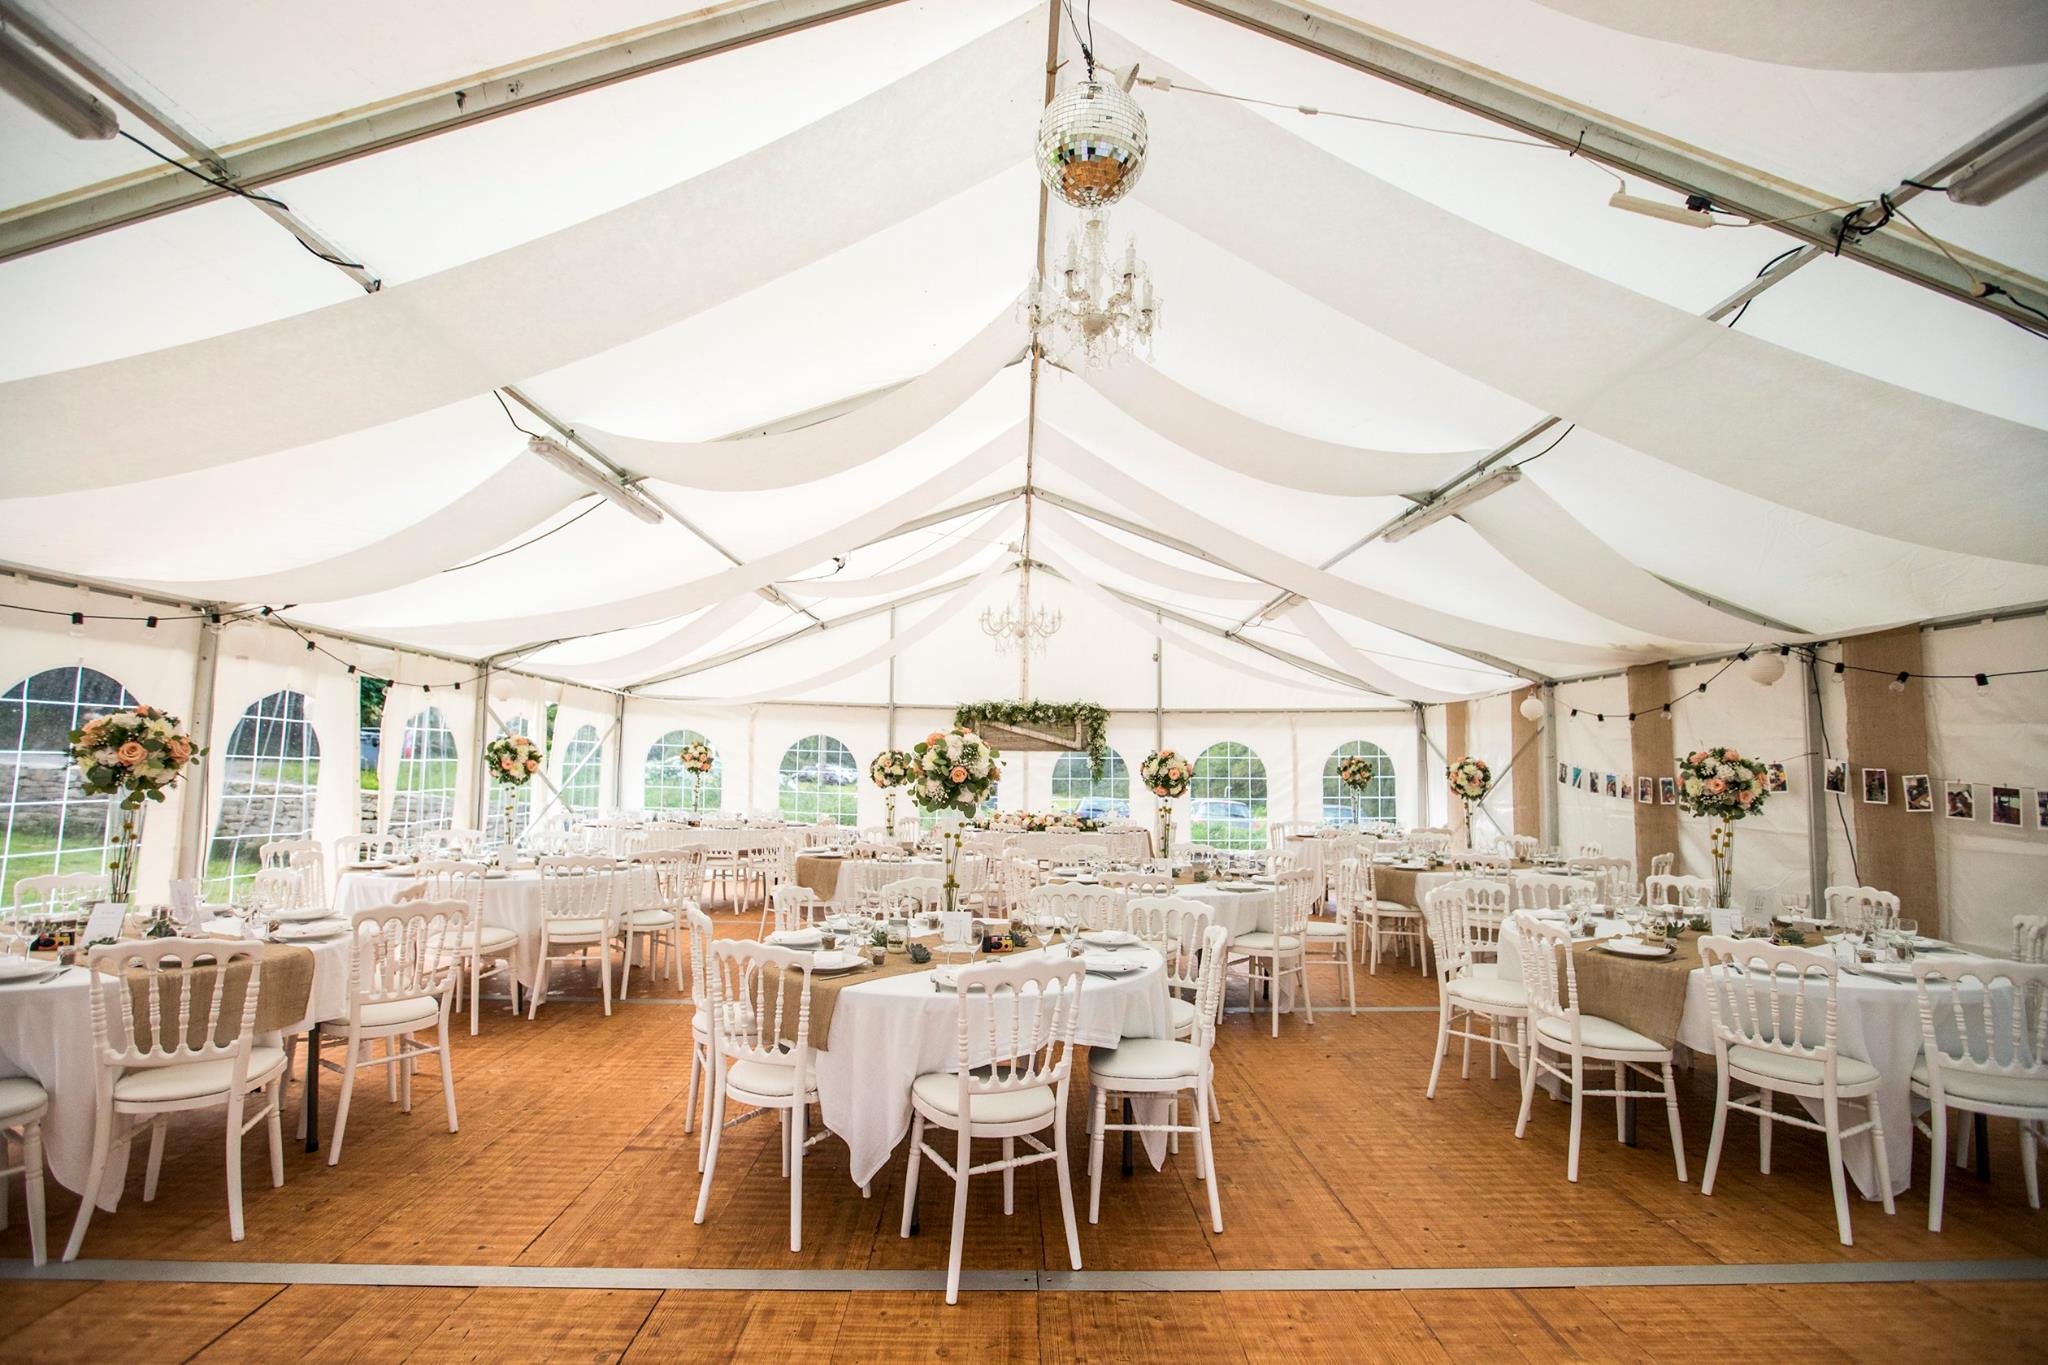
(1159, 688)
(891, 741)
(619, 753)
(1547, 826)
(1816, 795)
(1421, 764)
(480, 796)
(192, 820)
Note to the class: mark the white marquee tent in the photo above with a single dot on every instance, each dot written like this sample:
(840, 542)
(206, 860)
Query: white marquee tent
(769, 295)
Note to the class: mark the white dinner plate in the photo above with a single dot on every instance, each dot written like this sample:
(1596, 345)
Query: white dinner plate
(304, 912)
(23, 968)
(796, 938)
(1109, 964)
(1634, 947)
(365, 867)
(312, 931)
(833, 960)
(397, 872)
(1237, 886)
(946, 978)
(1108, 938)
(1068, 871)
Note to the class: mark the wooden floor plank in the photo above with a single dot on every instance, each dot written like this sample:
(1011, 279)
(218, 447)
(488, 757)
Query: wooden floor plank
(539, 1324)
(319, 1323)
(135, 1322)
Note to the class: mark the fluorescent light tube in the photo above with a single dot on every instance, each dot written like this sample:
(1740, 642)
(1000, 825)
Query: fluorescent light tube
(618, 494)
(1657, 208)
(1991, 178)
(1429, 514)
(25, 75)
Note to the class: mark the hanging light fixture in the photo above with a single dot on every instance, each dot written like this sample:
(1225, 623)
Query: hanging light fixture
(1091, 141)
(1089, 308)
(1019, 628)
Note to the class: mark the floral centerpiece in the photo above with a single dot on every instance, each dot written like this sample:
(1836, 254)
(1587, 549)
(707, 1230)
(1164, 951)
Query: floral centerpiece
(137, 754)
(891, 769)
(511, 760)
(1166, 775)
(1721, 785)
(697, 759)
(956, 770)
(1356, 772)
(1037, 821)
(1470, 781)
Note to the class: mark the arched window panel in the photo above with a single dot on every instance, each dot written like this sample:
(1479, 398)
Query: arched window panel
(1227, 798)
(668, 785)
(270, 774)
(1374, 805)
(1076, 788)
(51, 824)
(423, 790)
(522, 800)
(818, 778)
(582, 770)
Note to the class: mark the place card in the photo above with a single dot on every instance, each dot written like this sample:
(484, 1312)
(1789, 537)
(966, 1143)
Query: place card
(105, 921)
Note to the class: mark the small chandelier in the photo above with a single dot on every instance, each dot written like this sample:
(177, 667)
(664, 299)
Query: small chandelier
(1090, 308)
(1019, 628)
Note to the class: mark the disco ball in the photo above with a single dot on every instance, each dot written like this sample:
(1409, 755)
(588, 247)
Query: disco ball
(1091, 144)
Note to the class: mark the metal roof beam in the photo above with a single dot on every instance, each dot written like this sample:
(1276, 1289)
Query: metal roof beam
(1789, 208)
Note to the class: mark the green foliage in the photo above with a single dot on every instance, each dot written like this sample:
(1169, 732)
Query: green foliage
(1093, 720)
(370, 701)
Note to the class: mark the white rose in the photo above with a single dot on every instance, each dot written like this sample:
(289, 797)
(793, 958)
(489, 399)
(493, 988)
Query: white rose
(953, 747)
(1693, 786)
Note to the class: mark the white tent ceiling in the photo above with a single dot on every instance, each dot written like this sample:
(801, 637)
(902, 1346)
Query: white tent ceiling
(777, 286)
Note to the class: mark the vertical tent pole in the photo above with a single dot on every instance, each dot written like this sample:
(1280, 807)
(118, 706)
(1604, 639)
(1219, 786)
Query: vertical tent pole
(478, 797)
(619, 754)
(1548, 824)
(890, 743)
(1159, 685)
(192, 822)
(1816, 797)
(1421, 764)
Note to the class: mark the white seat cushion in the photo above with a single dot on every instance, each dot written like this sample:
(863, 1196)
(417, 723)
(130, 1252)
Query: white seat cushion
(1394, 908)
(940, 1091)
(762, 1078)
(1602, 1034)
(420, 1009)
(591, 927)
(492, 939)
(1183, 1013)
(190, 1080)
(1328, 929)
(1490, 991)
(1261, 941)
(1776, 1066)
(19, 1095)
(1970, 1085)
(651, 919)
(1144, 1059)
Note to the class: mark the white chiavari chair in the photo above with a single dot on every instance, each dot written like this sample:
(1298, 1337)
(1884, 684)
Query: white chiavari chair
(653, 915)
(759, 1002)
(1611, 875)
(1861, 907)
(1549, 893)
(1270, 957)
(1589, 850)
(1386, 923)
(1335, 935)
(794, 908)
(1013, 1065)
(1983, 1050)
(1465, 919)
(1496, 865)
(1085, 855)
(361, 850)
(1164, 1066)
(275, 888)
(914, 896)
(1140, 883)
(1557, 1026)
(23, 1104)
(2030, 938)
(1173, 925)
(477, 943)
(575, 916)
(307, 857)
(1071, 906)
(1764, 1000)
(211, 1059)
(1433, 842)
(50, 896)
(702, 932)
(1663, 864)
(1665, 890)
(401, 983)
(1522, 847)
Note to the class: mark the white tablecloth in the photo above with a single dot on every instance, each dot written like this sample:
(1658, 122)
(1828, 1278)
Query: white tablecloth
(1131, 844)
(886, 1033)
(1241, 912)
(510, 902)
(46, 1033)
(1878, 1022)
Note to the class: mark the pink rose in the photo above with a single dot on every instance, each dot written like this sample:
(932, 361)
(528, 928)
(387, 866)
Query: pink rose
(142, 710)
(1715, 784)
(933, 738)
(1159, 791)
(1746, 797)
(533, 765)
(131, 754)
(958, 774)
(508, 763)
(179, 751)
(1730, 754)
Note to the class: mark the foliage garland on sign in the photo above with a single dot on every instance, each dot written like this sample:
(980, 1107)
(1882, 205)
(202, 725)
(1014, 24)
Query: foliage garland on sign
(1093, 720)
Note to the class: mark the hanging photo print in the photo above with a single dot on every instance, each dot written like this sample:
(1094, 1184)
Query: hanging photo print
(2005, 806)
(1836, 779)
(1877, 787)
(1774, 777)
(1919, 792)
(1962, 801)
(1646, 794)
(1667, 791)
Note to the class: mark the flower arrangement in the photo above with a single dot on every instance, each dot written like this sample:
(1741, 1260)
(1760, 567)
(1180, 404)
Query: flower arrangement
(1721, 785)
(956, 769)
(696, 758)
(512, 760)
(892, 768)
(1037, 821)
(1470, 779)
(1166, 775)
(1092, 720)
(137, 754)
(1356, 771)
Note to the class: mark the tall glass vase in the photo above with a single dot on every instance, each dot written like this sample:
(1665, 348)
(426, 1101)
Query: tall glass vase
(889, 809)
(123, 857)
(1722, 845)
(1166, 829)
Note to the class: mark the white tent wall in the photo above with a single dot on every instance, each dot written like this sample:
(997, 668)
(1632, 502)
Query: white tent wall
(1994, 735)
(256, 660)
(575, 708)
(157, 666)
(1490, 736)
(1772, 849)
(1592, 745)
(421, 684)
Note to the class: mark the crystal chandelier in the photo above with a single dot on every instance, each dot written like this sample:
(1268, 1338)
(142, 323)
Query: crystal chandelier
(1090, 308)
(1020, 628)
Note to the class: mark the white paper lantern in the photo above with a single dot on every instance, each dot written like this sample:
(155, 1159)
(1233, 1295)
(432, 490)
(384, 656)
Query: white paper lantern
(1532, 707)
(1766, 668)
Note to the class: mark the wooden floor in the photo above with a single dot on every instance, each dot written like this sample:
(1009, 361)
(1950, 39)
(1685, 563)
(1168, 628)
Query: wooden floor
(572, 1154)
